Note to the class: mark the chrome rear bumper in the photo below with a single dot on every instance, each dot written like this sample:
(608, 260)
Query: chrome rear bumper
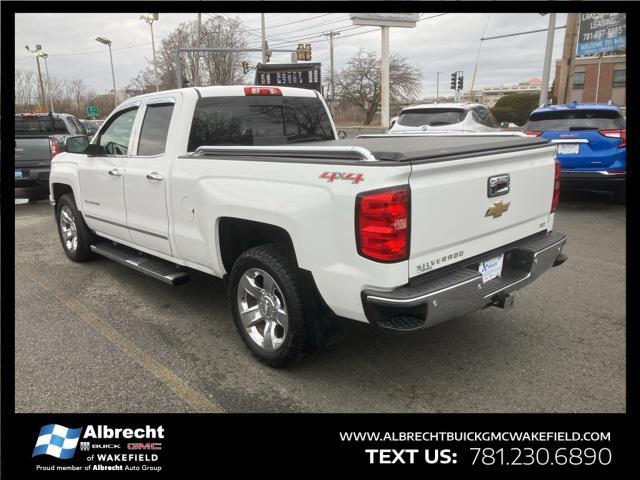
(439, 296)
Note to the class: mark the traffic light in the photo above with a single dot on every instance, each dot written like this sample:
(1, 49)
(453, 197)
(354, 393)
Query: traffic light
(245, 67)
(454, 80)
(303, 52)
(460, 81)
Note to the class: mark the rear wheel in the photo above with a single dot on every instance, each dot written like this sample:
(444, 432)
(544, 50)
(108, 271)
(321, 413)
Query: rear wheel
(266, 297)
(75, 236)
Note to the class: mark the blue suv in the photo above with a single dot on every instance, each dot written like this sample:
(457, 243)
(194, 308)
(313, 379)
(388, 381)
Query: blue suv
(591, 143)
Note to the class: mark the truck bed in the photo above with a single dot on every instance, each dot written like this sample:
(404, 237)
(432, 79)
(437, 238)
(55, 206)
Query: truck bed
(433, 148)
(391, 148)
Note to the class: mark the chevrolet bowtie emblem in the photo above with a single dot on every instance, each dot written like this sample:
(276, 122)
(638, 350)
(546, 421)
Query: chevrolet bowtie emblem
(497, 210)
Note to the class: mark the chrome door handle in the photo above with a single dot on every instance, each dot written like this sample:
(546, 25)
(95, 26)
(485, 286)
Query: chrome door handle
(154, 176)
(115, 171)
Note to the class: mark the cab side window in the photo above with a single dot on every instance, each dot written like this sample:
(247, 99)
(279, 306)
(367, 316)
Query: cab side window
(114, 140)
(155, 128)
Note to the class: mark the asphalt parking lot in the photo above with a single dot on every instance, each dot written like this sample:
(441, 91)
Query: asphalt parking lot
(99, 337)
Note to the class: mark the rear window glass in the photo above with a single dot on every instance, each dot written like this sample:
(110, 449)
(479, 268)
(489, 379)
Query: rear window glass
(567, 120)
(253, 120)
(40, 125)
(431, 116)
(155, 129)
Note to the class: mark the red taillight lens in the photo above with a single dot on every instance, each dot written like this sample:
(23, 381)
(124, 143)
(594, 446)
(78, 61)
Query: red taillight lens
(556, 189)
(621, 134)
(262, 91)
(533, 133)
(54, 146)
(382, 225)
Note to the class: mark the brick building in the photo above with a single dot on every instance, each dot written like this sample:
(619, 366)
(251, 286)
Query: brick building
(576, 78)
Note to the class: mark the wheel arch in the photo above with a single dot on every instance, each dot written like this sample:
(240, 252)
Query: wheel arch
(236, 235)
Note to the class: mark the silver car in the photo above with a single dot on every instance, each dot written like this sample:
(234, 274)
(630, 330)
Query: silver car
(445, 117)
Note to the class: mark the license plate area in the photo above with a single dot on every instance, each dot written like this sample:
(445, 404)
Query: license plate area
(18, 173)
(568, 148)
(491, 268)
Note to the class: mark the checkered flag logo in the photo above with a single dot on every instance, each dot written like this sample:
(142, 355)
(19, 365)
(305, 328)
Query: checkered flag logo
(57, 441)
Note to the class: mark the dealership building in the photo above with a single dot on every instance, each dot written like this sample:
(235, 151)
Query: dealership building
(592, 77)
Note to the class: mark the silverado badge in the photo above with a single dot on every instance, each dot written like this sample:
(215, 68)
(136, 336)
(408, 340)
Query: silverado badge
(497, 210)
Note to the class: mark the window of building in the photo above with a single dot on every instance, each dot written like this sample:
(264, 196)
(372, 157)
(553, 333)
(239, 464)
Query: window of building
(578, 80)
(619, 78)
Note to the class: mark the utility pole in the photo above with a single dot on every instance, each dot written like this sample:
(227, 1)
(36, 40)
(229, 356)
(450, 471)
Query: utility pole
(264, 39)
(38, 53)
(384, 97)
(46, 70)
(438, 86)
(331, 36)
(546, 72)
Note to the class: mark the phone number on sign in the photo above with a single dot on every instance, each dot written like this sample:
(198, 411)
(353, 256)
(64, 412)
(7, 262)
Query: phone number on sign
(541, 456)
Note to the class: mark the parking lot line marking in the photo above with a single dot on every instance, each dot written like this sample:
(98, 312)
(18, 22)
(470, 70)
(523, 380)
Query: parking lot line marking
(192, 397)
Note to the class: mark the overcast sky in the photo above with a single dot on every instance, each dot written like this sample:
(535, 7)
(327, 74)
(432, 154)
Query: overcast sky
(446, 43)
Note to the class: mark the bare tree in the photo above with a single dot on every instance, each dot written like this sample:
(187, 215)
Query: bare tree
(215, 68)
(68, 96)
(359, 82)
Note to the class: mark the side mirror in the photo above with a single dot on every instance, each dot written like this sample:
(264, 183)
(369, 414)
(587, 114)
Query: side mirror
(504, 124)
(76, 144)
(342, 134)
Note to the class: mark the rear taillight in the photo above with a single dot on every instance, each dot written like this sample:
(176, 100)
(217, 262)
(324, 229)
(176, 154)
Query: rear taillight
(556, 189)
(533, 133)
(262, 91)
(621, 134)
(382, 224)
(54, 146)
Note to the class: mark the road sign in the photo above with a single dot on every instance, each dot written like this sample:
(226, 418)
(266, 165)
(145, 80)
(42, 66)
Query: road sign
(601, 32)
(93, 111)
(406, 20)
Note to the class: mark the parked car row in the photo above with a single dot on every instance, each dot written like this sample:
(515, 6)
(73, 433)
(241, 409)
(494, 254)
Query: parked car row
(590, 137)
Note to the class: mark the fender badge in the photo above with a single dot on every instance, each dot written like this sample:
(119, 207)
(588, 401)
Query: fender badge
(497, 210)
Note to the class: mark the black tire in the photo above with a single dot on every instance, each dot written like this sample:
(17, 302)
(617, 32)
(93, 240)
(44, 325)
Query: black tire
(85, 237)
(278, 262)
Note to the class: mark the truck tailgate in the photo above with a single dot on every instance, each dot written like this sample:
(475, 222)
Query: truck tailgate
(32, 151)
(453, 216)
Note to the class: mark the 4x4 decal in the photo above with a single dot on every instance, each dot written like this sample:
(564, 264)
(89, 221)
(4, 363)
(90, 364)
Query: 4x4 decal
(351, 176)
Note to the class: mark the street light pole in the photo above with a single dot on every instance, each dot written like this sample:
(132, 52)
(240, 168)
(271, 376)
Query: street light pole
(438, 86)
(150, 18)
(106, 41)
(546, 72)
(384, 97)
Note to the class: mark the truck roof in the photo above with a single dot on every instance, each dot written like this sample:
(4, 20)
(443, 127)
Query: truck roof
(227, 91)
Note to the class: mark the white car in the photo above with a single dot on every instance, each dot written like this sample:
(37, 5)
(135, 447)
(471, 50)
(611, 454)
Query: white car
(445, 117)
(249, 184)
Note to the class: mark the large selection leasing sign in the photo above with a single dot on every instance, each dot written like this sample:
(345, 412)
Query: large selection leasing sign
(601, 32)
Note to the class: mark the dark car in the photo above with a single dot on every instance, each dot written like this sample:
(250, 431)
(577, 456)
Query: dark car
(592, 144)
(38, 138)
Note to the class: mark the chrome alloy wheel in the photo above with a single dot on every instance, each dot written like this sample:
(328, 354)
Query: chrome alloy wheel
(262, 309)
(68, 229)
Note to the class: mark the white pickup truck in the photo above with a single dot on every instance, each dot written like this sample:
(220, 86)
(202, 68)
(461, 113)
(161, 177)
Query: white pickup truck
(250, 184)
